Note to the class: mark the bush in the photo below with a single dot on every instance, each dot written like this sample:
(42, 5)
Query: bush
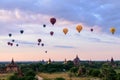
(95, 73)
(13, 78)
(59, 78)
(118, 76)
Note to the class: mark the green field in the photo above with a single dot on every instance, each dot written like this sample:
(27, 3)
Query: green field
(52, 76)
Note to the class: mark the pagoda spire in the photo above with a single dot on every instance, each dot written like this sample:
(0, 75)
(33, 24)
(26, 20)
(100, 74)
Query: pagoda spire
(12, 61)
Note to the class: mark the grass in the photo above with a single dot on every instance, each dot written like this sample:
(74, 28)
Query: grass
(4, 76)
(52, 76)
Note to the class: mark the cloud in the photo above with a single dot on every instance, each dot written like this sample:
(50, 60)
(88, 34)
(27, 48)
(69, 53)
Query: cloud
(95, 13)
(31, 15)
(60, 46)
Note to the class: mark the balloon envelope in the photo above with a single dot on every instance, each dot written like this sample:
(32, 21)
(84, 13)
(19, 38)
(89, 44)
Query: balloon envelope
(79, 28)
(9, 43)
(112, 30)
(45, 51)
(39, 40)
(17, 45)
(51, 33)
(65, 30)
(53, 21)
(44, 25)
(42, 44)
(91, 29)
(21, 31)
(10, 35)
(13, 40)
(38, 44)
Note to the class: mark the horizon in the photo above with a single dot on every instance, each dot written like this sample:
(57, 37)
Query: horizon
(23, 23)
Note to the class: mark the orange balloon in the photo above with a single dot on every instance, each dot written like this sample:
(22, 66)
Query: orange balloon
(79, 28)
(65, 30)
(112, 30)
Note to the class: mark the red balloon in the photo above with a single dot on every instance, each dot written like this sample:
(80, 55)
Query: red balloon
(51, 33)
(8, 43)
(11, 44)
(53, 21)
(39, 40)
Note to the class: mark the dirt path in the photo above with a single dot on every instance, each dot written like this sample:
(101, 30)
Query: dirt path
(39, 78)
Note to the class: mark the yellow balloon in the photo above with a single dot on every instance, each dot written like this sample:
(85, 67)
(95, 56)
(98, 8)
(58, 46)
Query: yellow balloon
(112, 30)
(79, 28)
(65, 30)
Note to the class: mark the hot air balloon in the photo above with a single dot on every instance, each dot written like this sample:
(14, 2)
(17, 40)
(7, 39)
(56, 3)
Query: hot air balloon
(51, 33)
(65, 30)
(39, 40)
(10, 35)
(8, 43)
(79, 28)
(38, 44)
(45, 51)
(44, 25)
(17, 45)
(21, 31)
(42, 44)
(91, 29)
(11, 44)
(53, 21)
(13, 40)
(112, 30)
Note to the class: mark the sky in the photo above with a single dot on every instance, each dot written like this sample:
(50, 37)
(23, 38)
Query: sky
(30, 15)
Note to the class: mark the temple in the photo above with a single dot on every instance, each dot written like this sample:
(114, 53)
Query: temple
(12, 67)
(76, 61)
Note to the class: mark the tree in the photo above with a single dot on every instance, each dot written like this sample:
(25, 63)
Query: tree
(118, 76)
(30, 73)
(82, 71)
(13, 77)
(74, 70)
(108, 72)
(95, 73)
